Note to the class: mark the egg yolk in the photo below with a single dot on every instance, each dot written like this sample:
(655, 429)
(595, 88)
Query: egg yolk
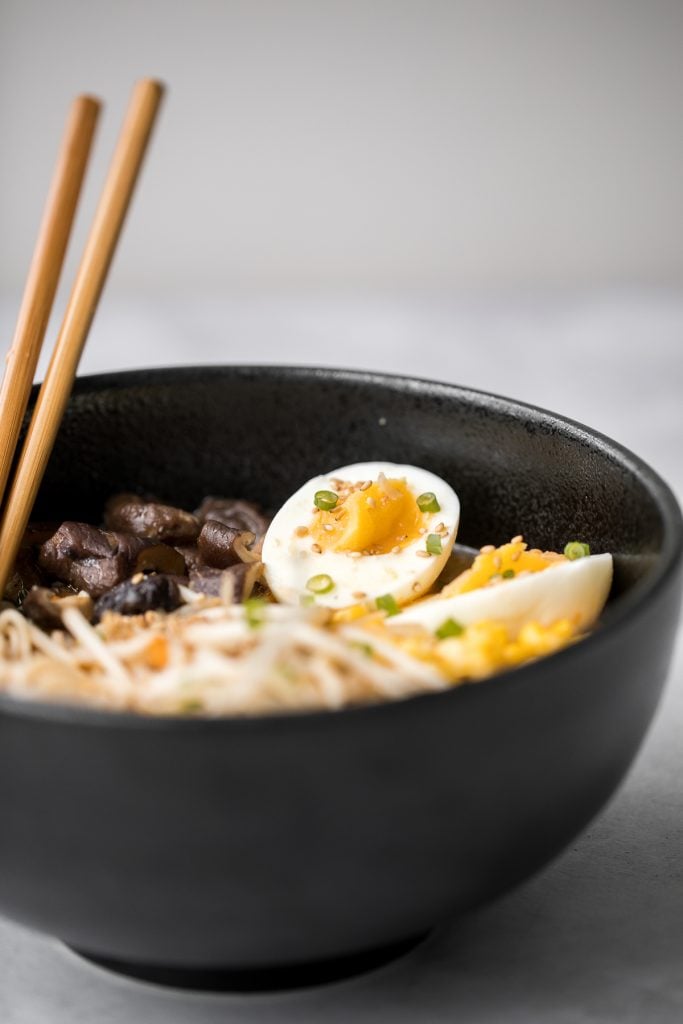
(373, 519)
(495, 564)
(484, 647)
(488, 647)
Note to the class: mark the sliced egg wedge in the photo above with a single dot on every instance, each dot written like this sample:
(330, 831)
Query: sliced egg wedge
(362, 533)
(573, 590)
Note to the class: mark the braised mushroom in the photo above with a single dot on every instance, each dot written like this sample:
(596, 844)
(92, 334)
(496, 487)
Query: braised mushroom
(150, 520)
(237, 580)
(221, 546)
(44, 607)
(88, 558)
(139, 595)
(235, 513)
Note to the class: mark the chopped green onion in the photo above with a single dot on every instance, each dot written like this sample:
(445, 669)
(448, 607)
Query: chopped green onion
(325, 500)
(367, 649)
(427, 502)
(191, 706)
(576, 549)
(449, 628)
(508, 574)
(254, 609)
(387, 603)
(321, 584)
(434, 544)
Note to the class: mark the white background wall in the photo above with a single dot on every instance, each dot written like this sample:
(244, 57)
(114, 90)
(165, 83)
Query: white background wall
(364, 144)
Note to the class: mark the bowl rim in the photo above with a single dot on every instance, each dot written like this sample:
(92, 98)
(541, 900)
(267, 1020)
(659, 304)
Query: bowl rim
(628, 606)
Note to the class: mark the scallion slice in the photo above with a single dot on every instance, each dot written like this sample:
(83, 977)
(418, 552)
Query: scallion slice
(427, 502)
(434, 544)
(387, 603)
(254, 612)
(367, 649)
(449, 628)
(576, 549)
(325, 500)
(321, 584)
(191, 706)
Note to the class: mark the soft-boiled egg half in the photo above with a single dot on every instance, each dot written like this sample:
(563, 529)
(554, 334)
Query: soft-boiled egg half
(513, 586)
(373, 530)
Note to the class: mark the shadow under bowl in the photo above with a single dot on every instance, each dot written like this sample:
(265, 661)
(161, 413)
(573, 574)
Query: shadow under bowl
(271, 842)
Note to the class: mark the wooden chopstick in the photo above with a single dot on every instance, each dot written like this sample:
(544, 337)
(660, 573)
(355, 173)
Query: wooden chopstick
(43, 275)
(97, 255)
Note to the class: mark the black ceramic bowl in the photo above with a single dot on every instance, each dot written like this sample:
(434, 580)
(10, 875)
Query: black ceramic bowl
(280, 840)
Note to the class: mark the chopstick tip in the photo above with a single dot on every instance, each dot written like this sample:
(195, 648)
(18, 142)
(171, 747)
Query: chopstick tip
(152, 85)
(89, 101)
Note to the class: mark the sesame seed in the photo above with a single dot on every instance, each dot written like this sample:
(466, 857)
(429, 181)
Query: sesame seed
(516, 556)
(355, 554)
(439, 528)
(301, 531)
(423, 530)
(423, 554)
(517, 540)
(359, 594)
(316, 549)
(370, 502)
(366, 483)
(329, 527)
(497, 562)
(416, 585)
(487, 549)
(396, 550)
(138, 578)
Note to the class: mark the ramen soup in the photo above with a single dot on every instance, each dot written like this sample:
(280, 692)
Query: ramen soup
(354, 592)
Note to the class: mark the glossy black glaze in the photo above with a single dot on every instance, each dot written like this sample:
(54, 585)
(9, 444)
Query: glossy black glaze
(275, 841)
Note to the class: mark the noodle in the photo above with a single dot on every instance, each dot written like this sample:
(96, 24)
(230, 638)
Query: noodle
(213, 657)
(216, 661)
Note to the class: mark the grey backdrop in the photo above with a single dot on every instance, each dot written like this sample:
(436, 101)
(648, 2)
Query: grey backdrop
(353, 143)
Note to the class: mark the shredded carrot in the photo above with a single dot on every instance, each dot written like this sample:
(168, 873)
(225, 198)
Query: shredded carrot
(156, 652)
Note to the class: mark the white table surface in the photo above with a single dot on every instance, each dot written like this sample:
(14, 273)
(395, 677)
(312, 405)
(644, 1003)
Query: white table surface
(598, 936)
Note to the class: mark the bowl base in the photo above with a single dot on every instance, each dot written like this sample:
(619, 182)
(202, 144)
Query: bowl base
(258, 979)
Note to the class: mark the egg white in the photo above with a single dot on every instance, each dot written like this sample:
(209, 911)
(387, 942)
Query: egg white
(289, 561)
(574, 590)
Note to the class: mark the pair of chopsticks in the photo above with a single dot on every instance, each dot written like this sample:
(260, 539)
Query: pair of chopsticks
(39, 294)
